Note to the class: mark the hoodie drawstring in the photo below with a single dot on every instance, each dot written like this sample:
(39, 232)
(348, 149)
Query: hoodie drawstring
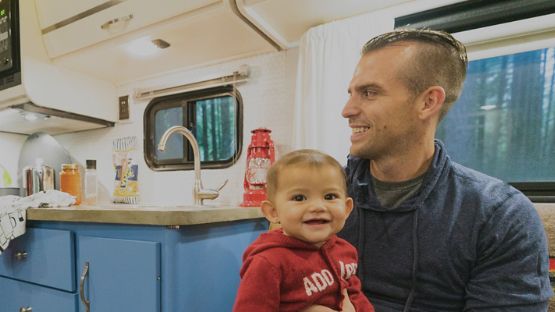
(410, 298)
(361, 243)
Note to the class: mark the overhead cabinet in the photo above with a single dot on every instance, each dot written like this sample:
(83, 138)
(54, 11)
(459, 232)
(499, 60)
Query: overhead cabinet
(69, 25)
(57, 99)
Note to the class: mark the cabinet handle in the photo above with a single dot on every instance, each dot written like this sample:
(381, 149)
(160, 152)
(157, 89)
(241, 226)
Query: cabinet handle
(21, 255)
(27, 309)
(123, 19)
(84, 274)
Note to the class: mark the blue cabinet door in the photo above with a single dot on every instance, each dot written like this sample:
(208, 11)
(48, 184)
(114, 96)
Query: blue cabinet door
(123, 275)
(17, 295)
(41, 256)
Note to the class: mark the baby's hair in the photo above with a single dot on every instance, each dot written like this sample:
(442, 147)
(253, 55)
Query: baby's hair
(304, 157)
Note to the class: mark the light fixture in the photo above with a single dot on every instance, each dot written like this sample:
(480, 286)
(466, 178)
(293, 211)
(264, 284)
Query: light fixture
(32, 116)
(145, 46)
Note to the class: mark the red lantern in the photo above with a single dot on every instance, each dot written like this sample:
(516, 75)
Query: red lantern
(260, 157)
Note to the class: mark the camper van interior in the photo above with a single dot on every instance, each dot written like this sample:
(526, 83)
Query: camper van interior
(161, 119)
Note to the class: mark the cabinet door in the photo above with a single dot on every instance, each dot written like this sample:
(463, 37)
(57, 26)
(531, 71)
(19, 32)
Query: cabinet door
(51, 12)
(119, 19)
(41, 256)
(123, 275)
(17, 296)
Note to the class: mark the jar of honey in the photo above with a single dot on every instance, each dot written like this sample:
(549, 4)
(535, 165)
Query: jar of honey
(70, 181)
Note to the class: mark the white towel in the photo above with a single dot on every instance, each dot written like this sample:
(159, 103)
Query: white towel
(13, 212)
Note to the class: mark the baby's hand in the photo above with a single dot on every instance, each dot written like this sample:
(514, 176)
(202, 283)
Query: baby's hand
(347, 306)
(318, 308)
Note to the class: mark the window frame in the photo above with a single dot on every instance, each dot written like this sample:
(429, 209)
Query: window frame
(538, 192)
(473, 14)
(168, 101)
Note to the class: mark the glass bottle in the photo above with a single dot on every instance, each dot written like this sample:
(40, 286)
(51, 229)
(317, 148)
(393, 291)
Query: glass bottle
(70, 181)
(91, 186)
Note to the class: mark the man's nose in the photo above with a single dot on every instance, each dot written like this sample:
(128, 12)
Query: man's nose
(350, 108)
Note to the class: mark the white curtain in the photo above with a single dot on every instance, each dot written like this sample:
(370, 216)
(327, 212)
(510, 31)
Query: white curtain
(328, 55)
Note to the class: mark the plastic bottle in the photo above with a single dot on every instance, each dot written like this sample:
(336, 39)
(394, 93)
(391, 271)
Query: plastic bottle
(70, 181)
(91, 185)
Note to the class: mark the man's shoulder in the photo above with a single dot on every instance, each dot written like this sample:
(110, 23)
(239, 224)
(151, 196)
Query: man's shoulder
(489, 191)
(473, 180)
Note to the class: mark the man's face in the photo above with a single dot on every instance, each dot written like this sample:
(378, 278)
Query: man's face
(310, 203)
(380, 109)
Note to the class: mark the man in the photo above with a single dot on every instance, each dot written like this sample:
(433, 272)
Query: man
(431, 234)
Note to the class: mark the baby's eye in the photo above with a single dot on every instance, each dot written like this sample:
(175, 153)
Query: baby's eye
(298, 197)
(331, 196)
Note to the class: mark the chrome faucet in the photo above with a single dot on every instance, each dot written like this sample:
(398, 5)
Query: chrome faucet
(199, 193)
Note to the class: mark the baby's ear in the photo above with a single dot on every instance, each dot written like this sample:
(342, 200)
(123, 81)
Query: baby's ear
(269, 211)
(348, 206)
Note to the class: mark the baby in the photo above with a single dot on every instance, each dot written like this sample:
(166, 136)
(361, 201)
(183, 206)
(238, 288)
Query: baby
(304, 264)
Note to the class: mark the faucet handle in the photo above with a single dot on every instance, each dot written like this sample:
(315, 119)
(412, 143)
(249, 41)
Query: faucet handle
(222, 186)
(209, 193)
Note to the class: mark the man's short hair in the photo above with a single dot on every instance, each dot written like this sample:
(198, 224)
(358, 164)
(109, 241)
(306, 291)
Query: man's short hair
(441, 61)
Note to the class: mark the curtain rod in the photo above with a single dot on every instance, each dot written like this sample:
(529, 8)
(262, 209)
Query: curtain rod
(238, 76)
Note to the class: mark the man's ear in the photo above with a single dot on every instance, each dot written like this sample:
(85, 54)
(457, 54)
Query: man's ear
(269, 211)
(431, 102)
(348, 206)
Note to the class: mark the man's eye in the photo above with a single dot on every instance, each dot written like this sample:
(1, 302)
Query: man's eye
(369, 93)
(298, 197)
(331, 196)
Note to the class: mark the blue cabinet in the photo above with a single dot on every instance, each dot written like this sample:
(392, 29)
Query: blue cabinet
(41, 256)
(21, 296)
(37, 272)
(130, 267)
(119, 275)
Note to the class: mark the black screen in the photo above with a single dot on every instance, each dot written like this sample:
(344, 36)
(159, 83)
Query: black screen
(10, 74)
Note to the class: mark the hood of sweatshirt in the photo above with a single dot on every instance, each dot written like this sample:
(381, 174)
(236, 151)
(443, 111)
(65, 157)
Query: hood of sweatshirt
(362, 185)
(277, 239)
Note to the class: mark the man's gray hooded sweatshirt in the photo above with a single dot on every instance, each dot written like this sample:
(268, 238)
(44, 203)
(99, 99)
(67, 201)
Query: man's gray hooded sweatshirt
(464, 242)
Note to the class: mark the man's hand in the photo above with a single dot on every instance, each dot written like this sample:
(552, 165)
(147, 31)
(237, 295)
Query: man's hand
(347, 306)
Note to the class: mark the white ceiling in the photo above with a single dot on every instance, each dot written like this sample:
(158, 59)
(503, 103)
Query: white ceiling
(213, 35)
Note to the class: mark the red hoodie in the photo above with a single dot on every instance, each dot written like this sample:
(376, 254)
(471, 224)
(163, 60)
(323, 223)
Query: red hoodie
(282, 273)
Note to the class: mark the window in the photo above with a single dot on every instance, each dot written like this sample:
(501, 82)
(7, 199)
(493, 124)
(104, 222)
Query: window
(213, 115)
(504, 122)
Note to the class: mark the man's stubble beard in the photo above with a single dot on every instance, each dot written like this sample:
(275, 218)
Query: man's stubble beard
(388, 146)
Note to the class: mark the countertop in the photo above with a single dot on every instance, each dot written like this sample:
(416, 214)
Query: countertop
(145, 215)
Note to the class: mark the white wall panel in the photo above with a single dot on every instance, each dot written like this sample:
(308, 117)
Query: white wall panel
(267, 100)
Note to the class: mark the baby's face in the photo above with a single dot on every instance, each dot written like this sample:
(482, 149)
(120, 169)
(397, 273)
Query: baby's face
(311, 203)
